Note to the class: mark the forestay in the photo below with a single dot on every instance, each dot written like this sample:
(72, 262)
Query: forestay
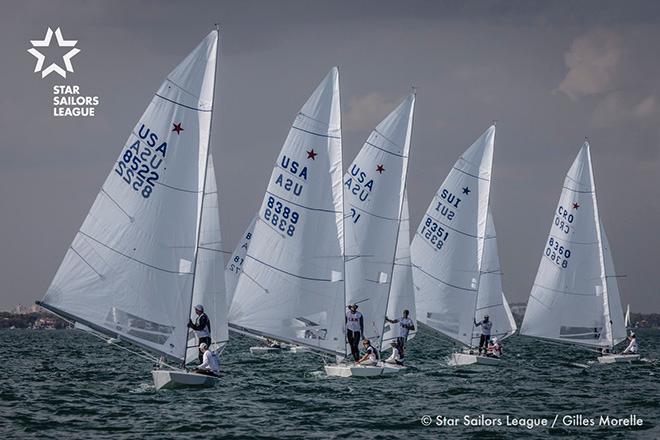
(575, 298)
(447, 249)
(129, 270)
(490, 298)
(402, 295)
(235, 263)
(374, 186)
(291, 286)
(209, 289)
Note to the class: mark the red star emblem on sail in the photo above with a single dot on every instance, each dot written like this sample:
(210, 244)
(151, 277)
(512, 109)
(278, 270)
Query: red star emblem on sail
(575, 205)
(380, 168)
(178, 128)
(311, 154)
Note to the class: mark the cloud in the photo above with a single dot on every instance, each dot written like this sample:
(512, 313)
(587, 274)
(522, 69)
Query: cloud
(364, 112)
(592, 63)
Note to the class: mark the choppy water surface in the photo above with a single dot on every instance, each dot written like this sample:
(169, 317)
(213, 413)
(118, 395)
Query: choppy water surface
(67, 384)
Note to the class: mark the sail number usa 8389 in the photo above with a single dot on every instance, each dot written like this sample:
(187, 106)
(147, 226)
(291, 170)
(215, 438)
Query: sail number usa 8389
(280, 216)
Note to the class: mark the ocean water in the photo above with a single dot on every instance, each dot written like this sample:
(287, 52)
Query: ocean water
(71, 385)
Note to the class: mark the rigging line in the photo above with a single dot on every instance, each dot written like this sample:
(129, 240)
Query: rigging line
(86, 262)
(103, 191)
(372, 214)
(578, 191)
(177, 189)
(445, 283)
(453, 229)
(254, 280)
(184, 105)
(471, 175)
(131, 258)
(386, 151)
(302, 206)
(288, 273)
(576, 181)
(315, 134)
(214, 250)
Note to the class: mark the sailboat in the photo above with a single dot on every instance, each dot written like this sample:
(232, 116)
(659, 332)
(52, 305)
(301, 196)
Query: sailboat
(291, 284)
(454, 257)
(374, 187)
(133, 266)
(402, 294)
(575, 297)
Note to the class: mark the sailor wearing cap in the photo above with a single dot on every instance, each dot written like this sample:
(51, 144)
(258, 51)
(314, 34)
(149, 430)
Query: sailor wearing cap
(210, 363)
(632, 346)
(486, 325)
(354, 330)
(202, 328)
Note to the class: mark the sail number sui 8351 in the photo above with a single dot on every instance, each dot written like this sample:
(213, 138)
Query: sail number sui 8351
(281, 216)
(434, 233)
(557, 254)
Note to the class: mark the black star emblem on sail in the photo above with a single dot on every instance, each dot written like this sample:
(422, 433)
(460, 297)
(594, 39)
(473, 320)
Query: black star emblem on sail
(178, 128)
(311, 154)
(380, 168)
(576, 205)
(466, 190)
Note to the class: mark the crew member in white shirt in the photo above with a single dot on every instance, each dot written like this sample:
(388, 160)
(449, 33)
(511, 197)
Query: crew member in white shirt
(210, 363)
(632, 346)
(405, 326)
(371, 356)
(486, 325)
(395, 357)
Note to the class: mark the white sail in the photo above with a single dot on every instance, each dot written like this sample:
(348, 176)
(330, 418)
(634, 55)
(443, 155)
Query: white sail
(291, 287)
(490, 298)
(627, 317)
(374, 186)
(617, 319)
(402, 295)
(209, 289)
(129, 270)
(572, 299)
(235, 263)
(447, 249)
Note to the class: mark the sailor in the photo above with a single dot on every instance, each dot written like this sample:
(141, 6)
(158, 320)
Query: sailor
(632, 346)
(486, 325)
(494, 347)
(210, 363)
(395, 357)
(272, 343)
(202, 328)
(371, 356)
(405, 326)
(354, 330)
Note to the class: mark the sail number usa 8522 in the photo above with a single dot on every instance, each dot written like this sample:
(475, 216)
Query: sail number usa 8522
(281, 216)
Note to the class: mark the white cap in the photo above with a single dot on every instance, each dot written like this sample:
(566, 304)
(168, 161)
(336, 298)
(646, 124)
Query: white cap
(203, 346)
(199, 307)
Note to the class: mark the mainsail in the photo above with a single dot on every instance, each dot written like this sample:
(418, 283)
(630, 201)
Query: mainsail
(235, 263)
(575, 298)
(490, 298)
(448, 248)
(209, 289)
(374, 186)
(627, 317)
(291, 286)
(129, 271)
(402, 295)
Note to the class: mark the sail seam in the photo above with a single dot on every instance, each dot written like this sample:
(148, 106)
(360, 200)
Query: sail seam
(316, 134)
(561, 291)
(178, 189)
(578, 191)
(285, 272)
(469, 174)
(386, 151)
(303, 206)
(455, 230)
(444, 282)
(132, 258)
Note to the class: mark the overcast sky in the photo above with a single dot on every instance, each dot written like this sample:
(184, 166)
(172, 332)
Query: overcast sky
(550, 72)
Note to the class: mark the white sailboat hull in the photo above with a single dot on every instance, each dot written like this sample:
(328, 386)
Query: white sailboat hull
(618, 358)
(169, 379)
(459, 359)
(299, 349)
(345, 370)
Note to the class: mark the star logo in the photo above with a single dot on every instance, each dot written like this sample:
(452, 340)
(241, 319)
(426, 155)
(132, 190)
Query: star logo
(575, 205)
(466, 190)
(61, 42)
(178, 128)
(311, 154)
(380, 168)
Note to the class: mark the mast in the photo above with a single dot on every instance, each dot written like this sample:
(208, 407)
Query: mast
(601, 257)
(201, 207)
(398, 228)
(343, 230)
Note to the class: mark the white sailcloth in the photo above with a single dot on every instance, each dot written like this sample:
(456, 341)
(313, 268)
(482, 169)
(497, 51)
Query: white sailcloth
(448, 247)
(490, 298)
(129, 270)
(627, 317)
(291, 287)
(235, 263)
(209, 287)
(573, 299)
(374, 186)
(402, 295)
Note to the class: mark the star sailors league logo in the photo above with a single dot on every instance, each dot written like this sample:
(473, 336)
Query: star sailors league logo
(53, 67)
